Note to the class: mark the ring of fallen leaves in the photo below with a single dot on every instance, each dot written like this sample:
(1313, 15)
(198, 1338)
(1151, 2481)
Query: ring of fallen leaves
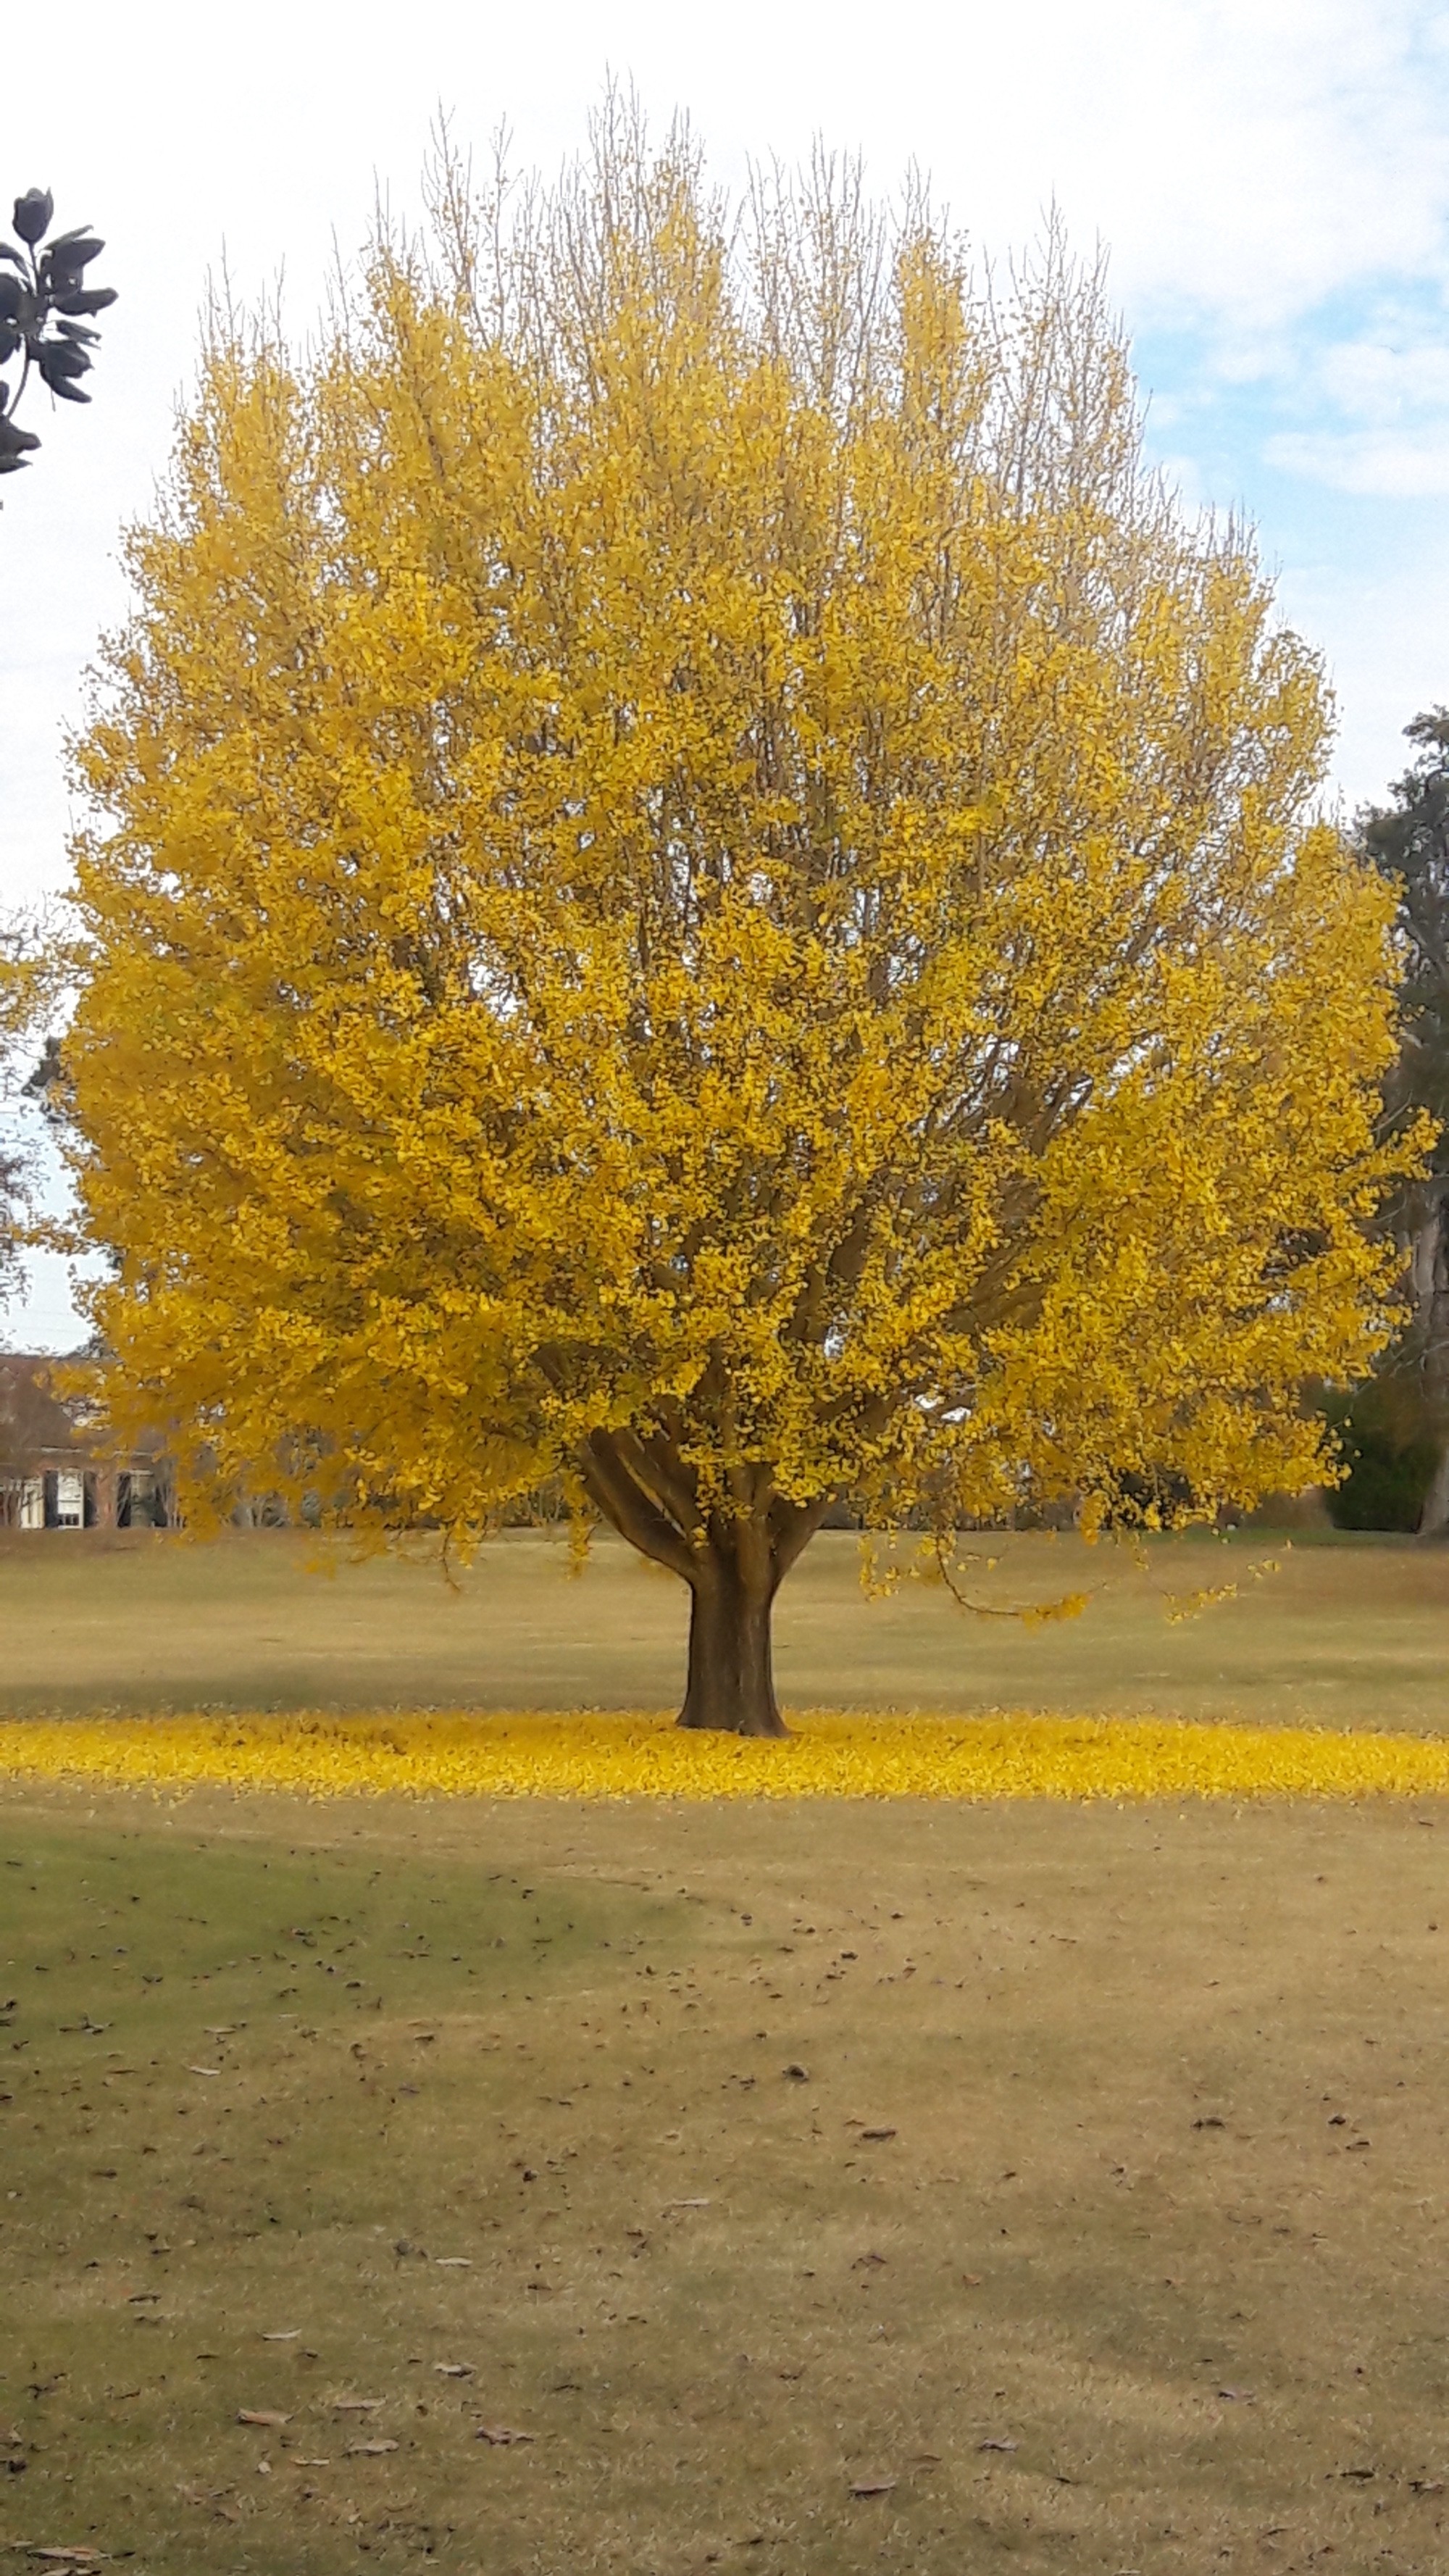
(829, 1756)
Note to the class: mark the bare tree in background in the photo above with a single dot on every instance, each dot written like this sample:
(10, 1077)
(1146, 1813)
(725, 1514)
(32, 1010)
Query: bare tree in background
(18, 1009)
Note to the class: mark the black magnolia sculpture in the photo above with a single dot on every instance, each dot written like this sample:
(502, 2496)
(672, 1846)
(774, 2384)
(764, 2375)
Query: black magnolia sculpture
(45, 307)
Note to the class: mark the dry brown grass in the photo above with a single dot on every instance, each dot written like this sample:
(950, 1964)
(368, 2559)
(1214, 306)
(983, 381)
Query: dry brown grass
(1160, 2213)
(1345, 1633)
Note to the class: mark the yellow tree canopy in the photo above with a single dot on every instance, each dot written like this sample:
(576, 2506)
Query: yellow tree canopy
(700, 883)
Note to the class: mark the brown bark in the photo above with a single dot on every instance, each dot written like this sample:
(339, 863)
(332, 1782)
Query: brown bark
(730, 1683)
(1429, 1276)
(1434, 1519)
(733, 1563)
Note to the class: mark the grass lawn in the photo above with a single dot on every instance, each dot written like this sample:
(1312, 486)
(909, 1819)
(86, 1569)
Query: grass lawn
(656, 2187)
(1074, 2177)
(1344, 1633)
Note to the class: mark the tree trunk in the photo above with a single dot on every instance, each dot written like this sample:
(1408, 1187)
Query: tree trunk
(1434, 1519)
(733, 1563)
(1430, 1276)
(730, 1683)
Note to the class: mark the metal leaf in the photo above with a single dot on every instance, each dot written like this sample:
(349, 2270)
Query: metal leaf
(33, 212)
(60, 361)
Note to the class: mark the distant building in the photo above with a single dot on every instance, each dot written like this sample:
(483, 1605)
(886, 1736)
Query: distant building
(56, 1474)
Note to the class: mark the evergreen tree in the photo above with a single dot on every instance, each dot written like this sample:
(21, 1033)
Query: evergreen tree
(1408, 840)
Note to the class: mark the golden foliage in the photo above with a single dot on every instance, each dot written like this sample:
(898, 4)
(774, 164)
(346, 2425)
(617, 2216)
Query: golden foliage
(647, 1757)
(703, 885)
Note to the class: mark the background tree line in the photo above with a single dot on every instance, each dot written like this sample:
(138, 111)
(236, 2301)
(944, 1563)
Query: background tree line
(1395, 1429)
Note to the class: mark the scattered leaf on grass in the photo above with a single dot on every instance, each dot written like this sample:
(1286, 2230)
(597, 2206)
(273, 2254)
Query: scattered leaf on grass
(261, 2415)
(1211, 2122)
(453, 2369)
(1357, 2473)
(500, 2435)
(368, 2450)
(203, 2070)
(289, 2336)
(876, 2137)
(454, 2262)
(970, 2280)
(862, 2260)
(1426, 2486)
(872, 2486)
(1245, 2396)
(67, 2557)
(686, 2204)
(994, 2442)
(357, 2405)
(797, 2074)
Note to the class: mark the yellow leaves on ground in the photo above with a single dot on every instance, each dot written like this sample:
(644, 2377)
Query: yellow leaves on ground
(649, 1757)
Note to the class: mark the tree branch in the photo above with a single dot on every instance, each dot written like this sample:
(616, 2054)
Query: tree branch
(630, 1510)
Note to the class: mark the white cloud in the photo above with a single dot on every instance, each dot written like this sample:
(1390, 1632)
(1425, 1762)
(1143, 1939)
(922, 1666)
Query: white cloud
(1400, 465)
(1183, 472)
(1387, 653)
(1378, 381)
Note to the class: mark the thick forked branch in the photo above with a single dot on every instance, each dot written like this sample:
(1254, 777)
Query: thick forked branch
(792, 1526)
(629, 1509)
(733, 1560)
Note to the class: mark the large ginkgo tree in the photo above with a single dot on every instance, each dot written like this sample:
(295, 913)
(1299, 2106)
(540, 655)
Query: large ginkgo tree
(701, 886)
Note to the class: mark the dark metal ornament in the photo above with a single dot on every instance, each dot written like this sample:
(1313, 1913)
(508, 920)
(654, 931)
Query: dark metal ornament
(43, 296)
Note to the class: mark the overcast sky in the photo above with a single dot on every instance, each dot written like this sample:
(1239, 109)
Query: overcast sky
(1269, 177)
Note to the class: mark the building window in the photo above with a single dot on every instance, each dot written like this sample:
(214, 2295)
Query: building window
(140, 1499)
(22, 1502)
(70, 1499)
